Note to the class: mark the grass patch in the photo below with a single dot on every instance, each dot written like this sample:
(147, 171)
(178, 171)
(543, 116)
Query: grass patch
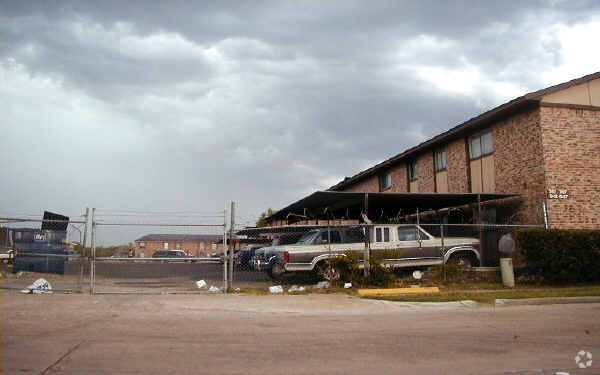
(488, 296)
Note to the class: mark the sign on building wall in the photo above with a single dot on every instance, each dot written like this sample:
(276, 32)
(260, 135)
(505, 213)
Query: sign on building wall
(558, 194)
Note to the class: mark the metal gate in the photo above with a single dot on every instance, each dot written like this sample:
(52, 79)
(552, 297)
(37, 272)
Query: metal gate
(166, 257)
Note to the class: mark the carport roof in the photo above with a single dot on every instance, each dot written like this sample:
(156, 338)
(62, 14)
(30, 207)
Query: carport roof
(340, 203)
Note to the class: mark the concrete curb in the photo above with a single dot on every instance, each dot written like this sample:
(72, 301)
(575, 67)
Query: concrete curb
(546, 301)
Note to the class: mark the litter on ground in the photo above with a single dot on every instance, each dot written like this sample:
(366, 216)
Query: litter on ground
(276, 289)
(38, 287)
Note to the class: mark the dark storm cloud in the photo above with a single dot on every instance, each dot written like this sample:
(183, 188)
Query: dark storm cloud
(176, 105)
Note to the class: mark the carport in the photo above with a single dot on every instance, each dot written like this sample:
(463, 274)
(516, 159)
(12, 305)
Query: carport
(373, 206)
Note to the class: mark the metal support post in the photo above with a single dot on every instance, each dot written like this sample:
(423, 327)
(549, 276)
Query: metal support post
(367, 254)
(231, 245)
(85, 227)
(480, 221)
(93, 260)
(225, 251)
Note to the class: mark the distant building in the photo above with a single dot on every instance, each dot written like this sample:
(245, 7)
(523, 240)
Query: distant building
(197, 245)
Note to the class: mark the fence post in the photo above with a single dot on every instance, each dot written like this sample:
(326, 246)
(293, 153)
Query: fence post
(231, 245)
(442, 251)
(225, 251)
(367, 254)
(93, 262)
(85, 227)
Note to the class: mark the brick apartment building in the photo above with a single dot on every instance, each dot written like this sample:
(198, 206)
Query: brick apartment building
(544, 146)
(197, 245)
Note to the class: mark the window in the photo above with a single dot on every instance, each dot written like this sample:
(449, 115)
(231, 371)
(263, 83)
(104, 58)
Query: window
(178, 246)
(354, 235)
(385, 181)
(481, 145)
(440, 160)
(382, 234)
(413, 170)
(166, 246)
(407, 233)
(333, 235)
(142, 245)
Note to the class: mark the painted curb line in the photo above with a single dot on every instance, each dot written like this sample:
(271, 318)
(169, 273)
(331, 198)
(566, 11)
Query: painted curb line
(391, 291)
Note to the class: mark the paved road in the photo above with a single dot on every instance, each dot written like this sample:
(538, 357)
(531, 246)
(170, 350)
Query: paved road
(313, 334)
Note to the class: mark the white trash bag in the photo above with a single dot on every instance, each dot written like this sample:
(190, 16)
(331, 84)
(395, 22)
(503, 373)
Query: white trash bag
(201, 284)
(38, 287)
(297, 289)
(276, 289)
(323, 285)
(347, 285)
(214, 289)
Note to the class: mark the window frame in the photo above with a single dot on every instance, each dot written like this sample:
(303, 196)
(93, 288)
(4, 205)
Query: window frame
(413, 170)
(444, 156)
(385, 181)
(478, 138)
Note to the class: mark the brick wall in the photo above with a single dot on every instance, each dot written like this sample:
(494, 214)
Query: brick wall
(571, 143)
(457, 166)
(399, 178)
(518, 162)
(371, 185)
(426, 174)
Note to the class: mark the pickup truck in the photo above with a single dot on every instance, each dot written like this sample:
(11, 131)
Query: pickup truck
(398, 245)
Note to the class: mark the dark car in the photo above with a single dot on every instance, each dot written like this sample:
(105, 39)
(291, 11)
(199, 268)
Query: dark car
(244, 257)
(174, 254)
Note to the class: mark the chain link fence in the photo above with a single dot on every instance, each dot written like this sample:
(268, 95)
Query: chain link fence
(30, 253)
(151, 253)
(158, 253)
(296, 254)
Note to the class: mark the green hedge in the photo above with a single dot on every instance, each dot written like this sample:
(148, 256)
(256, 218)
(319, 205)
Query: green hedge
(561, 256)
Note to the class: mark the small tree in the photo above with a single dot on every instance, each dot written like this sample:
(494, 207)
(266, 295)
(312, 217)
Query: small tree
(261, 219)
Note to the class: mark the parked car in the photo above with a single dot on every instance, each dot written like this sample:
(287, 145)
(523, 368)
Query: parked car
(173, 254)
(395, 244)
(243, 258)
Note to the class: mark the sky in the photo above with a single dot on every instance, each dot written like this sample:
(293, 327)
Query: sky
(170, 110)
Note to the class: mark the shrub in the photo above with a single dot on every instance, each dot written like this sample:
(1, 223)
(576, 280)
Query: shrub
(348, 266)
(561, 256)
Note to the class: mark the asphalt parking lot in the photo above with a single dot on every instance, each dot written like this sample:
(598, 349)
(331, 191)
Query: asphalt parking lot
(308, 334)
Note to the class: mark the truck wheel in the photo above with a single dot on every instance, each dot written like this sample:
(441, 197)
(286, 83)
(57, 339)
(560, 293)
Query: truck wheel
(462, 260)
(327, 272)
(277, 272)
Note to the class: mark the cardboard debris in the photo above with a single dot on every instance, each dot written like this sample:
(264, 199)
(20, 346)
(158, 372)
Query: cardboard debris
(322, 285)
(201, 284)
(38, 287)
(276, 289)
